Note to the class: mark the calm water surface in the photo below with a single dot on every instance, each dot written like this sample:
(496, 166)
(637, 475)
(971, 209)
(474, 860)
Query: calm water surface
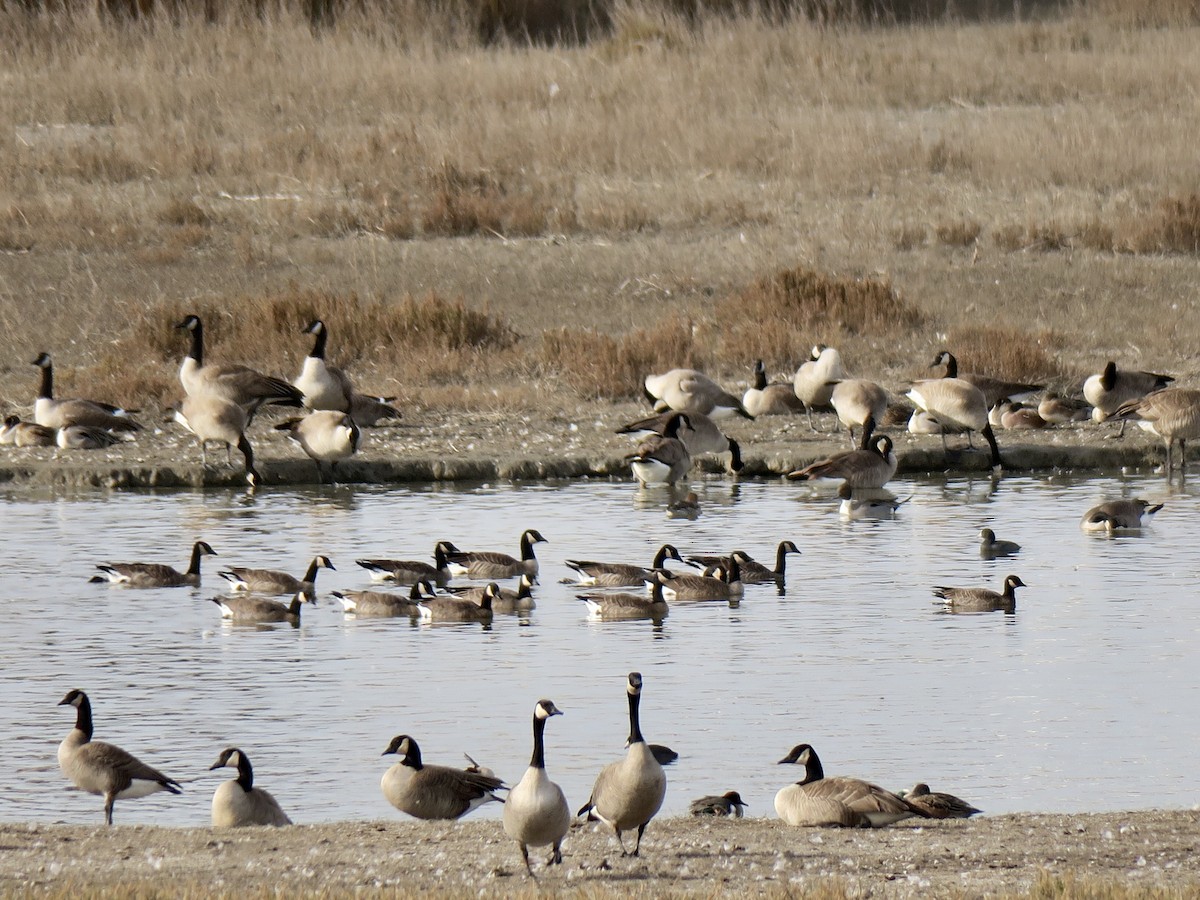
(1084, 700)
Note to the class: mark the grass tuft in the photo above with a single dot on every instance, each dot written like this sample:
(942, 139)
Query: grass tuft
(1007, 353)
(1174, 227)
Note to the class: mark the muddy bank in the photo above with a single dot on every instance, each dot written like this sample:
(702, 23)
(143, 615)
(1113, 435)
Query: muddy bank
(985, 855)
(578, 442)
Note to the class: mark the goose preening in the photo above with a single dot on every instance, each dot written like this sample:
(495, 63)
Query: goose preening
(1109, 390)
(458, 609)
(605, 574)
(938, 805)
(728, 804)
(921, 422)
(1017, 418)
(236, 384)
(686, 390)
(270, 581)
(971, 600)
(1172, 413)
(1059, 410)
(763, 399)
(433, 792)
(220, 421)
(629, 792)
(238, 803)
(815, 379)
(686, 508)
(56, 414)
(957, 406)
(725, 585)
(852, 507)
(750, 569)
(103, 769)
(990, 546)
(1118, 515)
(662, 459)
(488, 564)
(155, 575)
(849, 802)
(327, 387)
(410, 571)
(85, 437)
(326, 436)
(381, 604)
(871, 466)
(16, 433)
(245, 608)
(697, 432)
(536, 812)
(993, 389)
(628, 606)
(503, 600)
(858, 403)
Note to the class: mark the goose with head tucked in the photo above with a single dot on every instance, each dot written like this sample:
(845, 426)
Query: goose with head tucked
(973, 600)
(1119, 515)
(326, 436)
(728, 804)
(939, 805)
(957, 406)
(155, 575)
(859, 403)
(488, 564)
(629, 793)
(698, 433)
(535, 811)
(57, 414)
(849, 802)
(219, 421)
(606, 574)
(687, 390)
(1109, 390)
(104, 769)
(85, 437)
(16, 433)
(433, 792)
(272, 581)
(815, 379)
(238, 803)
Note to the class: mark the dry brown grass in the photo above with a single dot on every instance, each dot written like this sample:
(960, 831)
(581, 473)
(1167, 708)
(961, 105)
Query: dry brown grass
(1007, 353)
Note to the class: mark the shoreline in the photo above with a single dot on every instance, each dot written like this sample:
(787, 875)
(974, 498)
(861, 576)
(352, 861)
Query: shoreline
(682, 856)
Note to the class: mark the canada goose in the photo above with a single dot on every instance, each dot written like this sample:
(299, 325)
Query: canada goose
(686, 390)
(215, 420)
(1109, 390)
(241, 608)
(604, 574)
(409, 571)
(324, 386)
(238, 802)
(85, 437)
(459, 609)
(850, 802)
(990, 547)
(1172, 413)
(728, 804)
(486, 564)
(628, 793)
(868, 467)
(535, 810)
(857, 402)
(1118, 515)
(1016, 418)
(663, 754)
(956, 405)
(770, 399)
(56, 414)
(26, 434)
(433, 792)
(270, 581)
(815, 379)
(476, 768)
(921, 422)
(993, 389)
(504, 601)
(367, 410)
(687, 508)
(980, 599)
(680, 586)
(628, 606)
(698, 433)
(852, 507)
(103, 769)
(155, 575)
(327, 436)
(938, 805)
(378, 603)
(752, 571)
(237, 384)
(1059, 410)
(662, 459)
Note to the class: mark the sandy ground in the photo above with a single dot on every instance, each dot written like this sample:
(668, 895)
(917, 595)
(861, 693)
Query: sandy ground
(984, 856)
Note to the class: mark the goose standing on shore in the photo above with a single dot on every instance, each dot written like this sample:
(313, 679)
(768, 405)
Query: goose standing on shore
(858, 403)
(1172, 413)
(220, 421)
(58, 414)
(155, 575)
(236, 384)
(104, 769)
(326, 436)
(662, 459)
(536, 811)
(957, 406)
(686, 390)
(433, 792)
(697, 432)
(993, 389)
(327, 387)
(815, 379)
(1111, 389)
(629, 793)
(238, 803)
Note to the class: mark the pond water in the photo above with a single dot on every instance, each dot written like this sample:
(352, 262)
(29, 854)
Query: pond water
(1084, 700)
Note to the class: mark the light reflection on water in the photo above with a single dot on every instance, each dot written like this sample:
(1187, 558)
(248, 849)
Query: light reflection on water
(1082, 701)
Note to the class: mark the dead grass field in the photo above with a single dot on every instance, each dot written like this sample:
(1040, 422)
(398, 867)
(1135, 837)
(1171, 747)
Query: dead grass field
(1023, 192)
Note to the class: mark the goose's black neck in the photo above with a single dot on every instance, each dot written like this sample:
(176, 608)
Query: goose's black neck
(781, 560)
(656, 592)
(813, 770)
(46, 390)
(661, 556)
(527, 547)
(194, 565)
(760, 378)
(245, 773)
(538, 761)
(1109, 377)
(320, 336)
(83, 717)
(196, 351)
(310, 574)
(951, 366)
(992, 445)
(413, 757)
(635, 728)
